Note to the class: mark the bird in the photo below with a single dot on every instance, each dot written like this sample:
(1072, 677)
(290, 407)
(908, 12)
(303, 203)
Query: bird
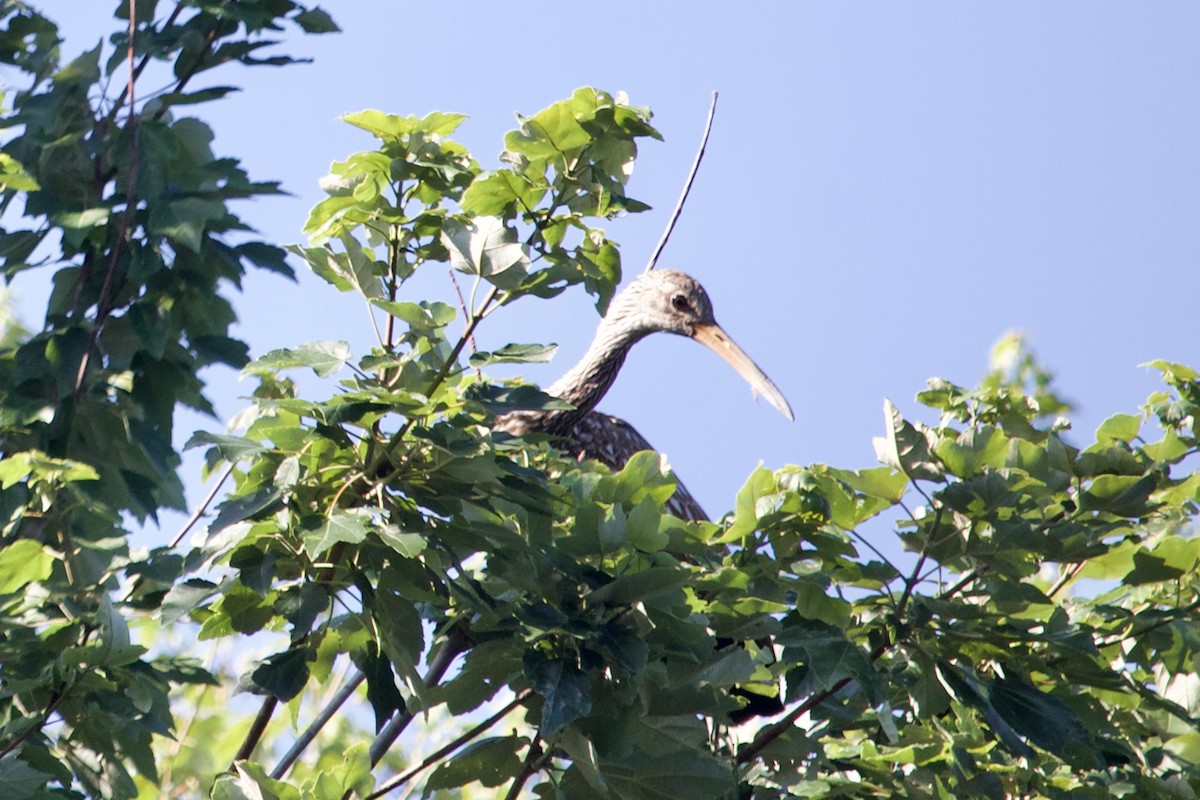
(658, 301)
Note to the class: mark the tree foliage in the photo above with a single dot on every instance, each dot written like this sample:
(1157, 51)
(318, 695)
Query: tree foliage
(544, 621)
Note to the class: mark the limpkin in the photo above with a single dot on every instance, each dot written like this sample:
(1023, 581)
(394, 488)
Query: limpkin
(657, 301)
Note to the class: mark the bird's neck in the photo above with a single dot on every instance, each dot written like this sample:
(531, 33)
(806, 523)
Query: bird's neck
(585, 384)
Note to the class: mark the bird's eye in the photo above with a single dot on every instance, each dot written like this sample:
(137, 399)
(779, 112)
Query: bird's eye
(680, 303)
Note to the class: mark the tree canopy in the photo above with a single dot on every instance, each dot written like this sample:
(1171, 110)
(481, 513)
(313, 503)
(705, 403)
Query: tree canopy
(390, 597)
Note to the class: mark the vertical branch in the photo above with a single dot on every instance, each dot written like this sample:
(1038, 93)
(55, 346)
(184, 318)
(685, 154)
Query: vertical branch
(462, 304)
(141, 67)
(687, 186)
(533, 762)
(102, 303)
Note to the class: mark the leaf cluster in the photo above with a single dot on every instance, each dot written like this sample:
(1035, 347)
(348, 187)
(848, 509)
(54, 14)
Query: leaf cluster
(121, 199)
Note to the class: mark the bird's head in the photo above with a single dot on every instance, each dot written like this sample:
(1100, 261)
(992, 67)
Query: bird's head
(661, 300)
(674, 302)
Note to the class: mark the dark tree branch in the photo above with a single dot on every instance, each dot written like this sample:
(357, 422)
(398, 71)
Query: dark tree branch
(455, 644)
(257, 729)
(442, 752)
(102, 303)
(533, 762)
(314, 727)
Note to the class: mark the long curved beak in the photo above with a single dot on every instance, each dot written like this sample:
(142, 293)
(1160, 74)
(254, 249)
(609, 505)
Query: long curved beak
(714, 338)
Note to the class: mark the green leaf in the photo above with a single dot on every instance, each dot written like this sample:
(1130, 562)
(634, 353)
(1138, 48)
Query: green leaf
(1173, 373)
(629, 589)
(351, 777)
(14, 469)
(186, 596)
(483, 246)
(423, 316)
(502, 193)
(1151, 569)
(77, 224)
(440, 123)
(682, 775)
(829, 655)
(21, 563)
(1123, 495)
(315, 20)
(515, 354)
(408, 545)
(564, 690)
(324, 358)
(885, 483)
(1038, 716)
(382, 692)
(231, 448)
(237, 509)
(250, 782)
(248, 611)
(1170, 449)
(341, 526)
(1119, 428)
(169, 99)
(908, 446)
(745, 511)
(812, 601)
(401, 634)
(284, 674)
(185, 220)
(21, 781)
(548, 133)
(387, 127)
(13, 176)
(974, 450)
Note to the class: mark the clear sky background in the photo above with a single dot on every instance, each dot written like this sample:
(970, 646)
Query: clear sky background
(889, 188)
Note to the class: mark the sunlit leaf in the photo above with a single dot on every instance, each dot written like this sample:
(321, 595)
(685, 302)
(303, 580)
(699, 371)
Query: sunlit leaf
(323, 358)
(21, 563)
(484, 246)
(338, 527)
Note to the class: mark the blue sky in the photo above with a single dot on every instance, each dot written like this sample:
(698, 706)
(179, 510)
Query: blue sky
(889, 188)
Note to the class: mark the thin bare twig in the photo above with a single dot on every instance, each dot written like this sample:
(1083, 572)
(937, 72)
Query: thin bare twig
(204, 504)
(910, 585)
(1068, 574)
(462, 304)
(687, 186)
(51, 707)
